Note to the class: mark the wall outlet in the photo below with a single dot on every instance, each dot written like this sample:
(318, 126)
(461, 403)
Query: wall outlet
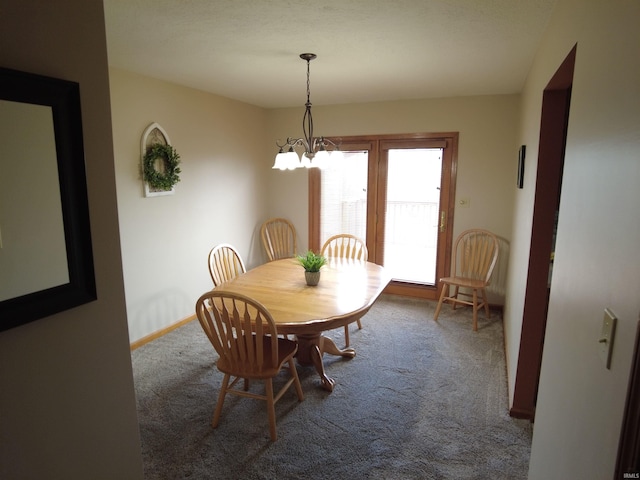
(606, 337)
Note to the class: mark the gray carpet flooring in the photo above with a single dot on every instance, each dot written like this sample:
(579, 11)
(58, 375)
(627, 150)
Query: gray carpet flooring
(421, 400)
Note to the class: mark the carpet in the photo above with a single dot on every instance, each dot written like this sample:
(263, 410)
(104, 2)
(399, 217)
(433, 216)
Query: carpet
(421, 400)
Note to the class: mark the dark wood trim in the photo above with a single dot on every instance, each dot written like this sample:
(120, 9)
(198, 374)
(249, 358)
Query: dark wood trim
(372, 198)
(412, 290)
(314, 207)
(448, 198)
(553, 129)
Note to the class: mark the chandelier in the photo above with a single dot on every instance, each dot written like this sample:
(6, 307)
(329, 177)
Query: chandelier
(316, 153)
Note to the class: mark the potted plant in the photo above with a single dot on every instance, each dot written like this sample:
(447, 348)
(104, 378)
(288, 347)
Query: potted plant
(312, 262)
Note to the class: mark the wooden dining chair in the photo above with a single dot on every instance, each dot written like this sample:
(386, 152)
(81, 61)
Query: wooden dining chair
(225, 264)
(347, 246)
(475, 256)
(244, 335)
(279, 238)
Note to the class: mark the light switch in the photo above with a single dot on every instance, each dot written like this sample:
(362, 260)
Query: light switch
(464, 202)
(606, 337)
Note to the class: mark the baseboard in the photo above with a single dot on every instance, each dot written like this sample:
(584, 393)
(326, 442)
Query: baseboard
(160, 333)
(497, 307)
(523, 414)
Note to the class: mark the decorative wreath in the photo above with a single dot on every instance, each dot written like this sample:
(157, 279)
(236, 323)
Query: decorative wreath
(171, 159)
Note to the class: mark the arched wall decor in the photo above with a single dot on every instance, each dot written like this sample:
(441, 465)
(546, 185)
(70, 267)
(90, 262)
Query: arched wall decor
(154, 135)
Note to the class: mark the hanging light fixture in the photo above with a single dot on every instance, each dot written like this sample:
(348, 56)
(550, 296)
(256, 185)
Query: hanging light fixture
(315, 152)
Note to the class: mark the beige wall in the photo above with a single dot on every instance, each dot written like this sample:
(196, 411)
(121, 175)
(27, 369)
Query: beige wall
(71, 405)
(67, 403)
(487, 151)
(580, 403)
(221, 196)
(228, 188)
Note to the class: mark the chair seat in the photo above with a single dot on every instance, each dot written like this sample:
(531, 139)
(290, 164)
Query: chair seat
(286, 350)
(464, 282)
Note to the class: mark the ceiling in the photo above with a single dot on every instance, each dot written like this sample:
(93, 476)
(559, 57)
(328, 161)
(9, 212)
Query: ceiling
(368, 50)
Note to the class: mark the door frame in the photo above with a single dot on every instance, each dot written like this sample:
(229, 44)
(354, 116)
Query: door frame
(554, 121)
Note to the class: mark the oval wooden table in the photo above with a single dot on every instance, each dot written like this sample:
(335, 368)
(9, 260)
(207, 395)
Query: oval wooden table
(346, 292)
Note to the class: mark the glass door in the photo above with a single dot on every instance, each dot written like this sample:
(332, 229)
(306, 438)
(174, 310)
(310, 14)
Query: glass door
(411, 214)
(343, 201)
(397, 193)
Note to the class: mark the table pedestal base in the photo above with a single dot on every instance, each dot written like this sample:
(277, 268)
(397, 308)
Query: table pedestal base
(311, 348)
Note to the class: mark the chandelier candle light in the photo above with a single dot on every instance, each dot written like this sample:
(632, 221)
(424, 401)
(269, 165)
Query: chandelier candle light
(315, 148)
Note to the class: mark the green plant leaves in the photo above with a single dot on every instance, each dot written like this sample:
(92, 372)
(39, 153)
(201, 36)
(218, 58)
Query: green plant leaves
(311, 262)
(161, 180)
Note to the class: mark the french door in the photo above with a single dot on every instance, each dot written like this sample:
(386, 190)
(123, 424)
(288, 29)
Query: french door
(397, 193)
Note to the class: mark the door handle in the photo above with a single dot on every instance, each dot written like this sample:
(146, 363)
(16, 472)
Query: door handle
(443, 220)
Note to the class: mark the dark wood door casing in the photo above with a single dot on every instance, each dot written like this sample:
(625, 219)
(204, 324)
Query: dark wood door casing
(553, 133)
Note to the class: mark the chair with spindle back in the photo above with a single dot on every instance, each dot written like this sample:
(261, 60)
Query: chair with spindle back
(244, 334)
(225, 264)
(279, 238)
(475, 255)
(350, 247)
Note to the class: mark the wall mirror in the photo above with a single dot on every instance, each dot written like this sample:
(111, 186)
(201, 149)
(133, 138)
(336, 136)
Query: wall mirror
(46, 259)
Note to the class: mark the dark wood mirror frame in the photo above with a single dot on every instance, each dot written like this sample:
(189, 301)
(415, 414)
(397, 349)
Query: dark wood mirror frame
(64, 99)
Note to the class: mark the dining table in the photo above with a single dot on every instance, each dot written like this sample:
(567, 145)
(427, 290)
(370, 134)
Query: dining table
(346, 291)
